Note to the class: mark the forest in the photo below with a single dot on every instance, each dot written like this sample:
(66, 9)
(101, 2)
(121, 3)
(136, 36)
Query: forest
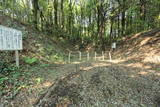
(80, 53)
(99, 22)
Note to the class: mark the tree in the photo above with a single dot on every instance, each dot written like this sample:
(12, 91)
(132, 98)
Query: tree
(35, 12)
(94, 21)
(55, 3)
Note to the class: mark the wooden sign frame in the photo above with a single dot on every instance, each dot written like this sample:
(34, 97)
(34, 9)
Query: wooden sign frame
(11, 40)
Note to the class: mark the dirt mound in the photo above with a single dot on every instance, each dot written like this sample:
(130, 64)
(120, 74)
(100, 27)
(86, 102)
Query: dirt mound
(104, 85)
(64, 91)
(143, 46)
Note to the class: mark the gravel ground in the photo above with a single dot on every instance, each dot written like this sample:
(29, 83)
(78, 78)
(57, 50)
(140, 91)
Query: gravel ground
(102, 84)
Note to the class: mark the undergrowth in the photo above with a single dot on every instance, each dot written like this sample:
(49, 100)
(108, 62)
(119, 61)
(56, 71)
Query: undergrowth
(12, 80)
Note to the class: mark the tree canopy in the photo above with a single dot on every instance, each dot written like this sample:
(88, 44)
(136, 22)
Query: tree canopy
(97, 21)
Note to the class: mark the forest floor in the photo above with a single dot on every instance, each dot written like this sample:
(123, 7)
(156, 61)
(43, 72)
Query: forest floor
(91, 84)
(103, 84)
(131, 79)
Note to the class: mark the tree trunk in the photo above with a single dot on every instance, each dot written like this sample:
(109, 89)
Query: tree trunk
(35, 12)
(123, 18)
(142, 13)
(111, 31)
(62, 16)
(70, 17)
(55, 13)
(123, 23)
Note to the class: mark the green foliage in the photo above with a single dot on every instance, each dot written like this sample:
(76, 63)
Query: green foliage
(12, 83)
(86, 18)
(15, 26)
(6, 68)
(38, 80)
(57, 57)
(157, 69)
(2, 80)
(30, 61)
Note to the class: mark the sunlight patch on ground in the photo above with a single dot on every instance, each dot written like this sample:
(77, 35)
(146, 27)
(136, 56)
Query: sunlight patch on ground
(95, 65)
(151, 71)
(32, 100)
(136, 35)
(43, 85)
(152, 59)
(117, 61)
(132, 76)
(77, 62)
(143, 73)
(145, 41)
(100, 64)
(86, 68)
(47, 84)
(158, 74)
(139, 65)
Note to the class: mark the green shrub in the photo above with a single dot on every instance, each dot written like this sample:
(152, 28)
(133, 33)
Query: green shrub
(3, 79)
(57, 57)
(157, 69)
(30, 61)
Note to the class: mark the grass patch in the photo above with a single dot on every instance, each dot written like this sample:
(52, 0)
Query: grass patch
(157, 69)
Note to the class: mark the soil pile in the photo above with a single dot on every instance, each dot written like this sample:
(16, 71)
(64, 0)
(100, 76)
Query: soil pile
(104, 85)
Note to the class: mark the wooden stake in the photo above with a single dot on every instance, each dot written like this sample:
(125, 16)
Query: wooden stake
(88, 56)
(102, 55)
(95, 56)
(17, 58)
(110, 57)
(80, 56)
(69, 57)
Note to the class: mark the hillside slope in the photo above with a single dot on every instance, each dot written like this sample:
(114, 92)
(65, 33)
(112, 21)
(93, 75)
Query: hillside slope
(39, 58)
(142, 47)
(35, 43)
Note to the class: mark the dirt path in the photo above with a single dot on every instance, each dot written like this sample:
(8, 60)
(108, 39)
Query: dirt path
(103, 84)
(88, 84)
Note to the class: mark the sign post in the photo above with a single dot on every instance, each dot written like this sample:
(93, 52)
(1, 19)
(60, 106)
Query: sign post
(11, 40)
(17, 58)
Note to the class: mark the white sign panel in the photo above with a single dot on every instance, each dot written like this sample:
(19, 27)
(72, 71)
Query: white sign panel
(10, 39)
(113, 45)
